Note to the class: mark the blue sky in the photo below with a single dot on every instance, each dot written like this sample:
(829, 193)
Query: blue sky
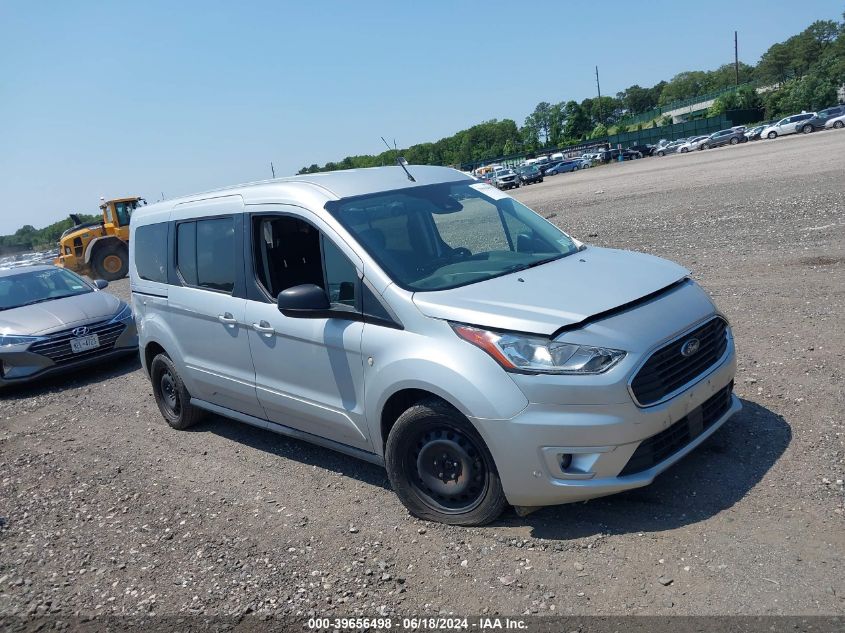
(115, 98)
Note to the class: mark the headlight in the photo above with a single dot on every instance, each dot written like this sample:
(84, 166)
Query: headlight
(12, 339)
(518, 352)
(123, 315)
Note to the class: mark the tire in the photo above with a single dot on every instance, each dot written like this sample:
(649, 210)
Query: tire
(838, 125)
(705, 146)
(111, 261)
(734, 140)
(772, 135)
(171, 396)
(684, 150)
(807, 129)
(661, 153)
(421, 435)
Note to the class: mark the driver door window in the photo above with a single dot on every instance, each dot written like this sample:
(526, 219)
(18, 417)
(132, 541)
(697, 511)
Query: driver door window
(290, 252)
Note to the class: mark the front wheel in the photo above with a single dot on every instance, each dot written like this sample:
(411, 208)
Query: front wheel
(684, 150)
(772, 135)
(441, 469)
(807, 129)
(734, 141)
(839, 125)
(661, 153)
(705, 146)
(111, 262)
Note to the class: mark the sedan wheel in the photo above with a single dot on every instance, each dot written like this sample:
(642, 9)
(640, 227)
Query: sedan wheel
(807, 129)
(839, 125)
(734, 140)
(772, 135)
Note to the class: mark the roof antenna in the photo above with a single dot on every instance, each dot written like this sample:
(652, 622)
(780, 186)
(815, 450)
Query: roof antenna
(399, 160)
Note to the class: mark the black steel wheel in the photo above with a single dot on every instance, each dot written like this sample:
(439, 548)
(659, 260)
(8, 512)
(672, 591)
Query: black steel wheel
(171, 396)
(440, 467)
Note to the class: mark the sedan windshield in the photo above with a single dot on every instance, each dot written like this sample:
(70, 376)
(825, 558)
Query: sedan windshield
(436, 237)
(39, 285)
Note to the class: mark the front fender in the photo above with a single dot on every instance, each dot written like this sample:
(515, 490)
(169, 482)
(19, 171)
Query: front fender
(453, 370)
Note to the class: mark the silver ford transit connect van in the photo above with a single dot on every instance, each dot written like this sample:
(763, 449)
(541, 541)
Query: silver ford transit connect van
(436, 326)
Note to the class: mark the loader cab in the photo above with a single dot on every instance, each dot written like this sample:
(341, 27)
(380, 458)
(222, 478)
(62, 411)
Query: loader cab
(118, 213)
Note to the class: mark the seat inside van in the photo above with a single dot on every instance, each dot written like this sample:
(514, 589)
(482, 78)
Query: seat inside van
(288, 253)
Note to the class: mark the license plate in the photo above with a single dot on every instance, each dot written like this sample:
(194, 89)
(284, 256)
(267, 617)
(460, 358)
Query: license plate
(84, 343)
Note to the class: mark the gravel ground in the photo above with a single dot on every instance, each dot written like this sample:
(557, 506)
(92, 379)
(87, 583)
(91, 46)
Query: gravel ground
(106, 510)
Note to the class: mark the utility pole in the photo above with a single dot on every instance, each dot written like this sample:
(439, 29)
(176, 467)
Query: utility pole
(736, 59)
(272, 169)
(598, 89)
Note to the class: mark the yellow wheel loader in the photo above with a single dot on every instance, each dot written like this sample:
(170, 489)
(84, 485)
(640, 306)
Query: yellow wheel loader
(100, 249)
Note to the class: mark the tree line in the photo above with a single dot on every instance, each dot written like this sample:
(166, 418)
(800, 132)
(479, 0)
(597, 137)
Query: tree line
(28, 238)
(802, 73)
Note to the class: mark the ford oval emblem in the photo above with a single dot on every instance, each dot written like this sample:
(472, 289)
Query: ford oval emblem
(80, 331)
(690, 347)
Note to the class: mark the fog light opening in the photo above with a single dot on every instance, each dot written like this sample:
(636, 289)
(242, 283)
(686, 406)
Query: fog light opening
(565, 461)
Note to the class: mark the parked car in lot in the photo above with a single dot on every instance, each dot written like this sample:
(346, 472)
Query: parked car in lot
(837, 122)
(670, 148)
(818, 122)
(724, 137)
(529, 174)
(692, 144)
(754, 133)
(564, 166)
(506, 179)
(644, 150)
(53, 320)
(504, 361)
(787, 125)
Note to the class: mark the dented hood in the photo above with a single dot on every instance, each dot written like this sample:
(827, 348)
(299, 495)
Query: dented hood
(541, 300)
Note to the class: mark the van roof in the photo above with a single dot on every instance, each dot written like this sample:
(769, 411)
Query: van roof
(332, 185)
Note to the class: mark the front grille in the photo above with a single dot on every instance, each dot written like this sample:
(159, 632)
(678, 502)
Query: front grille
(667, 369)
(57, 347)
(659, 447)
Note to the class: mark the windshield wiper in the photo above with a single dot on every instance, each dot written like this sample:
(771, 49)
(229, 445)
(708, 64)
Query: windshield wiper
(539, 262)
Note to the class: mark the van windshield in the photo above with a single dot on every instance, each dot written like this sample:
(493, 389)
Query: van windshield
(442, 236)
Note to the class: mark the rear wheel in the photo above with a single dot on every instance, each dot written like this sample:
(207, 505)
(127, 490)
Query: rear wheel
(171, 396)
(440, 467)
(807, 129)
(111, 262)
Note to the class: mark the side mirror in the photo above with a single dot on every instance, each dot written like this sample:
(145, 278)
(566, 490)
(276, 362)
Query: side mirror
(101, 284)
(303, 301)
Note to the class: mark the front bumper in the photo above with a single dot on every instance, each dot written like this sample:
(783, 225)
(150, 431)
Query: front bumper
(20, 365)
(597, 441)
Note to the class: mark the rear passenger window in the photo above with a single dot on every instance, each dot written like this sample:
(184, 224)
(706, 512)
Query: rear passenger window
(205, 253)
(150, 248)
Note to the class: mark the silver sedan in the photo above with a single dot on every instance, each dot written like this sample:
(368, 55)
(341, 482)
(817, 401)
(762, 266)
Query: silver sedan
(54, 320)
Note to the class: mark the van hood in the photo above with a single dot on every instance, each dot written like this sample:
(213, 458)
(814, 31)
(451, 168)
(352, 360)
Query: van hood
(59, 314)
(564, 292)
